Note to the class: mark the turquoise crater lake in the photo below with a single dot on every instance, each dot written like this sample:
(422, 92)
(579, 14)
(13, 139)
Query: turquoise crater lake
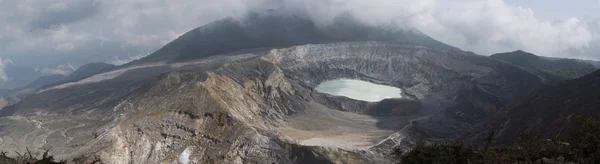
(359, 90)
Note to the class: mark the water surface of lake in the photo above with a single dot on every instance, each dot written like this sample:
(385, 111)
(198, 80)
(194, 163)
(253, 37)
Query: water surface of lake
(358, 90)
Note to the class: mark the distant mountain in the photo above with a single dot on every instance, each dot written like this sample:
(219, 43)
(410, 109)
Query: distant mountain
(550, 110)
(5, 91)
(81, 73)
(550, 69)
(16, 94)
(12, 96)
(593, 62)
(90, 69)
(45, 80)
(268, 30)
(19, 77)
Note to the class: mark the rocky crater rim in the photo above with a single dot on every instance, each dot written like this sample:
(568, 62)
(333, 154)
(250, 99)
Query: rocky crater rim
(358, 90)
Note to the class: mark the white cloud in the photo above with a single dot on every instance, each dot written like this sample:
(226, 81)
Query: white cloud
(120, 61)
(58, 6)
(482, 26)
(491, 26)
(3, 63)
(63, 69)
(65, 47)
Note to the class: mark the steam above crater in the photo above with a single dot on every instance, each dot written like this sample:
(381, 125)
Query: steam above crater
(359, 90)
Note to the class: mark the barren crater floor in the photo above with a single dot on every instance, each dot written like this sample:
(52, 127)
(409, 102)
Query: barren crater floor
(321, 126)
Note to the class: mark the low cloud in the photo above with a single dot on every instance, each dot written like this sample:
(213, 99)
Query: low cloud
(63, 69)
(3, 63)
(123, 60)
(64, 12)
(491, 26)
(482, 26)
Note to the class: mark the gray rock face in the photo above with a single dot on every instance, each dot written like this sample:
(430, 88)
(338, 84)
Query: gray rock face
(257, 107)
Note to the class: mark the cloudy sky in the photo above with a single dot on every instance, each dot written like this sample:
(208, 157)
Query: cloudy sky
(57, 36)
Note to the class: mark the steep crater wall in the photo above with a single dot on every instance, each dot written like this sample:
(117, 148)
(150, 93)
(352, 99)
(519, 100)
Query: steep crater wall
(457, 90)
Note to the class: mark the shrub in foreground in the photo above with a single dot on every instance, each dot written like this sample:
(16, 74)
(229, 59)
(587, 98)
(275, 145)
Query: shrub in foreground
(28, 158)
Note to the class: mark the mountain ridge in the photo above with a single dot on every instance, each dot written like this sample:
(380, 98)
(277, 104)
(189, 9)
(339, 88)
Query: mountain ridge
(553, 70)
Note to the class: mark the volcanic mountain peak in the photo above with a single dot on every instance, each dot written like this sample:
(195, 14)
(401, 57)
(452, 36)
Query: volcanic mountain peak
(275, 31)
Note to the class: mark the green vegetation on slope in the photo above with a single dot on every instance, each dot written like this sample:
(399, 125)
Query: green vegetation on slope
(581, 146)
(438, 153)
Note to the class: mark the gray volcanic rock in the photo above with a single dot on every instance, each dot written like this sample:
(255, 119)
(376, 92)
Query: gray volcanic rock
(249, 107)
(159, 118)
